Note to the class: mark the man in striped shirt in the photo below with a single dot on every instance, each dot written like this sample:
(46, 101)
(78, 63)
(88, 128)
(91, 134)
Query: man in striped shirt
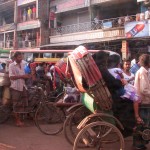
(18, 87)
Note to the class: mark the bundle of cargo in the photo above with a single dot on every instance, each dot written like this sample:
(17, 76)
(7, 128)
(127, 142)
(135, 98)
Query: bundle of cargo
(60, 68)
(88, 79)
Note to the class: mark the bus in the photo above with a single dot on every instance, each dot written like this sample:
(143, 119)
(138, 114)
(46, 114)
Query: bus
(51, 56)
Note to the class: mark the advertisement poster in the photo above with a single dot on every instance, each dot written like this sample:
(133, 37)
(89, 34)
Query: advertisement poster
(136, 29)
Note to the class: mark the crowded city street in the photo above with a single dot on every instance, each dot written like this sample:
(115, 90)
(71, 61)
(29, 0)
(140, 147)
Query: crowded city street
(74, 74)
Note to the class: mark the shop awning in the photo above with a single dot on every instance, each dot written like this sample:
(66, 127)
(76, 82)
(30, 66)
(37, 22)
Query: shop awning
(63, 44)
(76, 43)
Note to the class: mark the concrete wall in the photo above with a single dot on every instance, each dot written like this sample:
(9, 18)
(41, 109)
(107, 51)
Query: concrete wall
(74, 18)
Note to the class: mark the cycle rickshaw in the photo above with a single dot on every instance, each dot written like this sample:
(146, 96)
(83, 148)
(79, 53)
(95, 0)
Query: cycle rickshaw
(100, 129)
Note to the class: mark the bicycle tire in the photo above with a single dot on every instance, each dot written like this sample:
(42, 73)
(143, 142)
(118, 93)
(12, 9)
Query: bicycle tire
(4, 114)
(49, 119)
(91, 140)
(70, 125)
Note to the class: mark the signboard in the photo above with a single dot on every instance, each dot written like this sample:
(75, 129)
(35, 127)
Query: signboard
(28, 25)
(137, 29)
(124, 46)
(107, 24)
(22, 2)
(72, 4)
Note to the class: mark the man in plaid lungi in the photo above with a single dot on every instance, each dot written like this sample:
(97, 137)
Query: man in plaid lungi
(18, 87)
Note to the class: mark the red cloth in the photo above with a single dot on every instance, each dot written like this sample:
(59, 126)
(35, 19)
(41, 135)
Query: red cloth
(34, 10)
(51, 15)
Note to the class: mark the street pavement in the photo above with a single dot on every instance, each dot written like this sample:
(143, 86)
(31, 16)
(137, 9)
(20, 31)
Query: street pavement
(30, 138)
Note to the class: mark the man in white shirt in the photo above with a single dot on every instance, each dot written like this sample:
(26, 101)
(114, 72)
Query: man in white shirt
(18, 88)
(147, 14)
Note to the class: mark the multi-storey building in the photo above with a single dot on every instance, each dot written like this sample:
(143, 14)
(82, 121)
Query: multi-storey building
(64, 24)
(23, 23)
(32, 23)
(100, 24)
(7, 25)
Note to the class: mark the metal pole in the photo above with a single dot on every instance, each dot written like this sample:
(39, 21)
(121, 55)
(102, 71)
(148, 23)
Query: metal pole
(15, 22)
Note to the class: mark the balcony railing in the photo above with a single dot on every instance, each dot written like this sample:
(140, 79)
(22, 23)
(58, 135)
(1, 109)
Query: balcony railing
(7, 44)
(27, 44)
(93, 25)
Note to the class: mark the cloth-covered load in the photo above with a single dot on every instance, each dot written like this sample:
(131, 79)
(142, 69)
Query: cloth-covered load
(87, 77)
(60, 67)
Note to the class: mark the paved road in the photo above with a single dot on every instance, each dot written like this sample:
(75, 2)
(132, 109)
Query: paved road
(30, 138)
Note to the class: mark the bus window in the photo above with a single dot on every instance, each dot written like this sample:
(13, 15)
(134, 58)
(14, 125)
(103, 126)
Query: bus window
(47, 55)
(28, 56)
(65, 55)
(4, 55)
(59, 55)
(36, 55)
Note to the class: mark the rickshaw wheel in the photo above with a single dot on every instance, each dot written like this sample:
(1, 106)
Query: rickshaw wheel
(72, 121)
(99, 136)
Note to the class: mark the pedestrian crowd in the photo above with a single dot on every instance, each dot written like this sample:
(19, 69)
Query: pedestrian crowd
(130, 90)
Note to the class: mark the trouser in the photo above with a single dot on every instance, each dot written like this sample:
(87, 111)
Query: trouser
(145, 115)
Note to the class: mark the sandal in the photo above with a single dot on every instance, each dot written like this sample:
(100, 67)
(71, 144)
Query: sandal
(139, 120)
(19, 124)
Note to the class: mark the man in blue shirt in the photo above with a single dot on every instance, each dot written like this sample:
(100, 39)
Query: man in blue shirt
(1, 68)
(135, 68)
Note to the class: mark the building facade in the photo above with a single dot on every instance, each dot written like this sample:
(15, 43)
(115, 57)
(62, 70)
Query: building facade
(99, 24)
(24, 23)
(118, 25)
(7, 24)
